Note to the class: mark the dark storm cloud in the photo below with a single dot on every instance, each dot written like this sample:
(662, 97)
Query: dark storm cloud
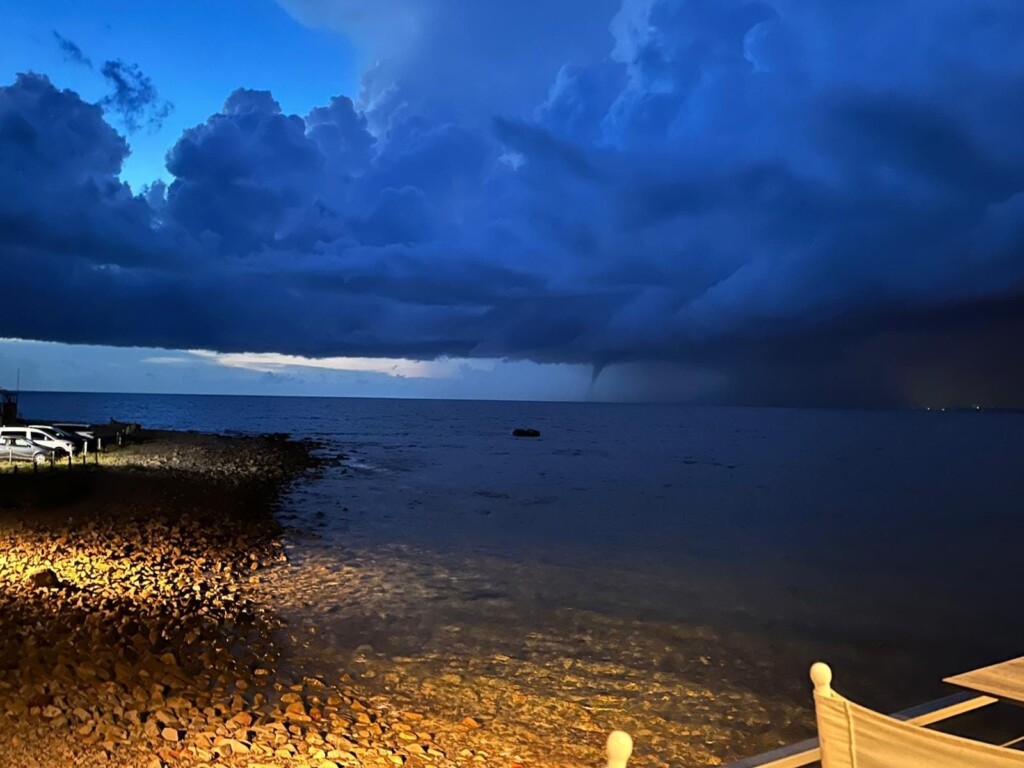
(800, 203)
(71, 50)
(60, 195)
(134, 97)
(244, 176)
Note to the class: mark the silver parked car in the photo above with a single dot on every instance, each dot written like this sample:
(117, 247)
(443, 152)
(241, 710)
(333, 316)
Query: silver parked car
(22, 449)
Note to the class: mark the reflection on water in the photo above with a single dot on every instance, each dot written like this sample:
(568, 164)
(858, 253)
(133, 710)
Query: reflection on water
(500, 642)
(702, 658)
(558, 594)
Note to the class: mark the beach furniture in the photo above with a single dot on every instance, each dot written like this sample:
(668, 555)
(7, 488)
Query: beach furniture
(1004, 680)
(853, 736)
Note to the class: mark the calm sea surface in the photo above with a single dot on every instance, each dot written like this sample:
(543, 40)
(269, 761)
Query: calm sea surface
(888, 543)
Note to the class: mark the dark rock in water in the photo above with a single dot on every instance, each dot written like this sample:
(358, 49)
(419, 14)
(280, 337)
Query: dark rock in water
(525, 433)
(44, 578)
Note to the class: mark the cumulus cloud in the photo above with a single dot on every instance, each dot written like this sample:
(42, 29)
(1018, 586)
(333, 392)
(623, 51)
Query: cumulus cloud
(471, 58)
(787, 202)
(245, 175)
(59, 186)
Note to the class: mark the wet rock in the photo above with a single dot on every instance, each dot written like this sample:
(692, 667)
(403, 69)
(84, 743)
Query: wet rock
(45, 578)
(525, 432)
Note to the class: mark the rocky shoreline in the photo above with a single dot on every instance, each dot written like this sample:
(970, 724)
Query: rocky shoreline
(149, 617)
(130, 631)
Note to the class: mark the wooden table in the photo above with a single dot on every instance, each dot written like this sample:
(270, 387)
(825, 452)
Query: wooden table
(1004, 680)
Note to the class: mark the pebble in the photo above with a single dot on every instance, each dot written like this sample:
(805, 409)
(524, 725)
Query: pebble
(129, 618)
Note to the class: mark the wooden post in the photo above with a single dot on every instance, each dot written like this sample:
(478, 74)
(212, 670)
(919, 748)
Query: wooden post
(620, 747)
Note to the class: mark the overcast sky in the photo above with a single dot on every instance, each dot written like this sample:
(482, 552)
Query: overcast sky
(779, 202)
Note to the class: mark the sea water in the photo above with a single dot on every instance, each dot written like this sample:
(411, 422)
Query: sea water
(681, 566)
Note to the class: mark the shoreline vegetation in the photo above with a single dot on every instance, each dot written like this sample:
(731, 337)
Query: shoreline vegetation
(132, 632)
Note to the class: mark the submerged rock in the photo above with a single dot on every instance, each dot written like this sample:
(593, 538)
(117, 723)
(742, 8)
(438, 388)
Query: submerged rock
(525, 432)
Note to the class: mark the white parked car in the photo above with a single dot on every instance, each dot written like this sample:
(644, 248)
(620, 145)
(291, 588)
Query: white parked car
(61, 434)
(41, 436)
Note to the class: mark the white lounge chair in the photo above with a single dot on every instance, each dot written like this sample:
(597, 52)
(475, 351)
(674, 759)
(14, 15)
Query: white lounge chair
(852, 736)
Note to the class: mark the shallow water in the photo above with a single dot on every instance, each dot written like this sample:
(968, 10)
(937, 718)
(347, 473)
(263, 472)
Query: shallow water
(667, 569)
